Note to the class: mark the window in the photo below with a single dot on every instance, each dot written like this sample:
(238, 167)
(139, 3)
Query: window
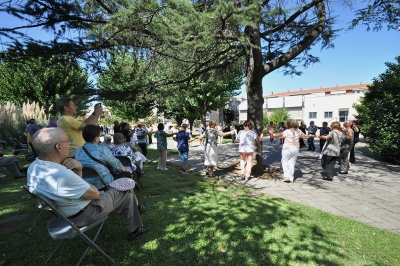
(312, 115)
(328, 115)
(343, 115)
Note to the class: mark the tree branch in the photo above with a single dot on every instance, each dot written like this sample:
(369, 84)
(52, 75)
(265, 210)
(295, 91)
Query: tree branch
(302, 45)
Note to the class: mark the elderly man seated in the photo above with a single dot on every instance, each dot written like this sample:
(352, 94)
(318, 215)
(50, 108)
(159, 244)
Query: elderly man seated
(12, 165)
(57, 177)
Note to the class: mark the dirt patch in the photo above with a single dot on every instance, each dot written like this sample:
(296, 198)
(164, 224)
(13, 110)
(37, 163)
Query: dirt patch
(221, 189)
(187, 188)
(255, 193)
(268, 172)
(8, 224)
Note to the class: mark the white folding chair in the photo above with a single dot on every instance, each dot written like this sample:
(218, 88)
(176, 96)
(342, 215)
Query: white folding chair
(62, 229)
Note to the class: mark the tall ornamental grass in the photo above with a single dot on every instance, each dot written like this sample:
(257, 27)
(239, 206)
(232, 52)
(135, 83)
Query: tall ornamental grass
(13, 118)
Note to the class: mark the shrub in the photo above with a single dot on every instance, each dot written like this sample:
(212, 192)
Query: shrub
(13, 118)
(379, 113)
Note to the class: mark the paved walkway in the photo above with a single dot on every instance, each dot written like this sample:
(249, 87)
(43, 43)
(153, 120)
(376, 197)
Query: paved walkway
(370, 193)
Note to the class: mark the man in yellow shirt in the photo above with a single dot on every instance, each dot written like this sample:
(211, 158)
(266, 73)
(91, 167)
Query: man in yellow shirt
(71, 125)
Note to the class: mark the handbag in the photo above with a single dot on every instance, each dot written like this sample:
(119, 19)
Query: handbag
(112, 172)
(123, 184)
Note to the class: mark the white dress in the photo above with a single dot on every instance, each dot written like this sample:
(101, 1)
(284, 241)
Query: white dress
(211, 148)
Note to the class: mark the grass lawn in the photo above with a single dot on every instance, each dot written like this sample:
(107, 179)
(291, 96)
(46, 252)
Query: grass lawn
(198, 221)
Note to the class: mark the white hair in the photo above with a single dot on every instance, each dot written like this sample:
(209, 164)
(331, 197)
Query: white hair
(44, 140)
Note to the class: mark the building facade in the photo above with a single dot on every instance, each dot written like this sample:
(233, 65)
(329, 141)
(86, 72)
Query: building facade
(318, 105)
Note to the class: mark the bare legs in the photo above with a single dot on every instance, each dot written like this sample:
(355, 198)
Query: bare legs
(245, 163)
(210, 170)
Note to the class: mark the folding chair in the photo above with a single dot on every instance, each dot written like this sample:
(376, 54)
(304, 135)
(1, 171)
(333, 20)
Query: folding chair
(89, 171)
(40, 205)
(126, 160)
(16, 147)
(62, 229)
(31, 157)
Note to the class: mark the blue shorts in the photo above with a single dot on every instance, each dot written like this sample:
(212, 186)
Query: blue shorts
(184, 156)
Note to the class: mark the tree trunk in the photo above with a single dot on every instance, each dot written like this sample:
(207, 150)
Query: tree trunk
(191, 121)
(255, 100)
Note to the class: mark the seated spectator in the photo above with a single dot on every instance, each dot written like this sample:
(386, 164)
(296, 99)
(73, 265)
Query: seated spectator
(121, 149)
(58, 178)
(107, 142)
(12, 165)
(52, 121)
(91, 134)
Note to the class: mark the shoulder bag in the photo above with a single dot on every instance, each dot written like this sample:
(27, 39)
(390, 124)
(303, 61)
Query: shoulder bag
(100, 162)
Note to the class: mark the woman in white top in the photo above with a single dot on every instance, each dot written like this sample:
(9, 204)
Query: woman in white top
(246, 139)
(290, 149)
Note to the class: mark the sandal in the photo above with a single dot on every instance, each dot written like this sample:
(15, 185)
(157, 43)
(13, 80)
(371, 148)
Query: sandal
(287, 180)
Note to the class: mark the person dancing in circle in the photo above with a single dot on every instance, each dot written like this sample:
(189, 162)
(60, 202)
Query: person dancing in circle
(290, 149)
(246, 139)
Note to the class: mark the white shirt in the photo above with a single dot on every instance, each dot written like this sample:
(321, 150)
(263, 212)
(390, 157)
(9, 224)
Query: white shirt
(59, 184)
(246, 140)
(292, 137)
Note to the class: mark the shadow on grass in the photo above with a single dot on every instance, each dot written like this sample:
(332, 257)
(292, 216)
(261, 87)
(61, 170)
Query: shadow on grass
(207, 225)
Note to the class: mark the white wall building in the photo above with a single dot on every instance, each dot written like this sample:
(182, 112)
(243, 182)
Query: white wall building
(318, 105)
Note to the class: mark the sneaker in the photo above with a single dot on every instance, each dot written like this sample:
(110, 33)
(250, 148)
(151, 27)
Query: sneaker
(165, 169)
(137, 232)
(184, 172)
(149, 161)
(2, 176)
(143, 207)
(159, 168)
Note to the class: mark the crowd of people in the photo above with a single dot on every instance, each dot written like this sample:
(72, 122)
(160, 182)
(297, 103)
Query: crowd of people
(67, 145)
(64, 150)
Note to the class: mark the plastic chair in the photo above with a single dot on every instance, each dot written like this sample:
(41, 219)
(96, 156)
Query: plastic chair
(62, 229)
(40, 205)
(89, 171)
(126, 160)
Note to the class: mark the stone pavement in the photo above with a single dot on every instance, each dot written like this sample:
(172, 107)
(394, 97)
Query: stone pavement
(370, 193)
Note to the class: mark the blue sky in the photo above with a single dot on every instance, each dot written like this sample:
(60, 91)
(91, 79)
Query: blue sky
(359, 56)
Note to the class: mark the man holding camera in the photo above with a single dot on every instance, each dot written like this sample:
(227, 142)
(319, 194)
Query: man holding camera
(71, 125)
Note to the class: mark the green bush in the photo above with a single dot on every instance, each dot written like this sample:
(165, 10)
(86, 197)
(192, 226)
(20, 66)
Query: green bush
(379, 113)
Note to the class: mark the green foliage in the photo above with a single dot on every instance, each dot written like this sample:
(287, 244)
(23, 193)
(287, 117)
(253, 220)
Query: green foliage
(230, 115)
(44, 80)
(277, 116)
(377, 14)
(208, 92)
(265, 118)
(379, 113)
